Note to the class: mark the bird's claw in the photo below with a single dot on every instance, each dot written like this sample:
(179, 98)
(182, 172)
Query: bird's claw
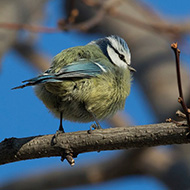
(54, 138)
(94, 126)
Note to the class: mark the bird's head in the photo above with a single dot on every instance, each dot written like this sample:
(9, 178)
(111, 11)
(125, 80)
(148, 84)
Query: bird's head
(116, 50)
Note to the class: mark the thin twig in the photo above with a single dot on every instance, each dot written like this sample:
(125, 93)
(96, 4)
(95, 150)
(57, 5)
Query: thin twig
(72, 13)
(86, 25)
(91, 3)
(31, 28)
(180, 98)
(108, 7)
(162, 27)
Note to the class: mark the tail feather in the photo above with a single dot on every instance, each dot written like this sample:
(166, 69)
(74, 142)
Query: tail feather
(22, 86)
(37, 80)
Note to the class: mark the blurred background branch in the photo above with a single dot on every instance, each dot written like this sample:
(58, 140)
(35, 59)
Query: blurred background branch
(164, 165)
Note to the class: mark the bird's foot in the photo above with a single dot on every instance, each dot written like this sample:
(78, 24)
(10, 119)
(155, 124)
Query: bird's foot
(94, 126)
(54, 139)
(66, 152)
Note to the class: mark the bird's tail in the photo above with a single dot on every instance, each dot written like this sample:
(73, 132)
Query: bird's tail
(37, 80)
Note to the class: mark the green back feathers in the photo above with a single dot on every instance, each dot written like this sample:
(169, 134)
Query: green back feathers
(88, 52)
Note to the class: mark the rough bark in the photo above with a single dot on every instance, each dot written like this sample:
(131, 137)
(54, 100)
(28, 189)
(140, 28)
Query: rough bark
(16, 149)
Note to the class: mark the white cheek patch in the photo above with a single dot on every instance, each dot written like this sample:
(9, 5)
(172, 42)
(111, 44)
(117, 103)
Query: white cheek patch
(115, 58)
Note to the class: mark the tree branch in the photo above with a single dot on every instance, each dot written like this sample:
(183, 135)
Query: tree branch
(163, 165)
(16, 149)
(180, 98)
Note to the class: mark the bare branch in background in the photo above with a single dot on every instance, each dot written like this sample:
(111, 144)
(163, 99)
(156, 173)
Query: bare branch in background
(14, 15)
(38, 61)
(160, 164)
(31, 28)
(108, 7)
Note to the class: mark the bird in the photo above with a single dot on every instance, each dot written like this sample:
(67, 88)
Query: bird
(86, 83)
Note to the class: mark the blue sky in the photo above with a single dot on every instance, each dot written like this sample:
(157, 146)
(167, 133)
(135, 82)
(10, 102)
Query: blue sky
(23, 115)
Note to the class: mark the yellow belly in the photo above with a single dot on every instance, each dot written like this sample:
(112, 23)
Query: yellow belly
(78, 99)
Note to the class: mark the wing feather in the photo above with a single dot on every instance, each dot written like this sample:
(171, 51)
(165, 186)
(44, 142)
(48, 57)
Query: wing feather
(79, 69)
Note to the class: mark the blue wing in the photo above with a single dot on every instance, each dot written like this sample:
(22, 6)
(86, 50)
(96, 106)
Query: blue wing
(80, 69)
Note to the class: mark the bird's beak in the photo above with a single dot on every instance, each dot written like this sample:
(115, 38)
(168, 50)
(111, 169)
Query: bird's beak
(132, 69)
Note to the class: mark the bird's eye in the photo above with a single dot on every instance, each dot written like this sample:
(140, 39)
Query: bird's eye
(122, 57)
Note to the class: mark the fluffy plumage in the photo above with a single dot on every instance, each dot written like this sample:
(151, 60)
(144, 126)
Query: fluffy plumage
(85, 83)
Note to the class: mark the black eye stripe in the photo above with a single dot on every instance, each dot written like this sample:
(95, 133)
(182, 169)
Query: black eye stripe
(121, 56)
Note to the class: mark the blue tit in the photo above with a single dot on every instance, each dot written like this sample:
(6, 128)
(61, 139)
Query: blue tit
(86, 83)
